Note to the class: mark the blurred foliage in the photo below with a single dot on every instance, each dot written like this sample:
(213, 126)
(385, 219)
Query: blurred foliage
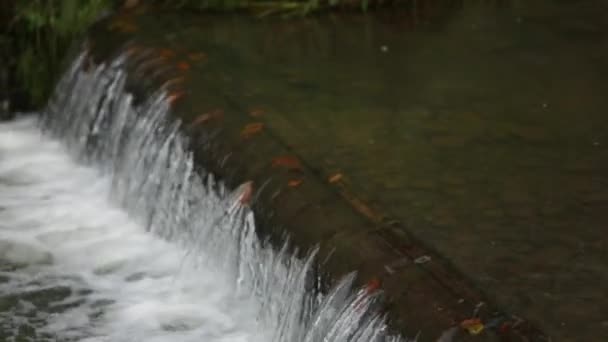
(38, 34)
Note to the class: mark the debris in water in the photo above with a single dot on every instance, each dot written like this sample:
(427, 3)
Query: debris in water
(390, 268)
(373, 285)
(208, 116)
(422, 259)
(335, 178)
(250, 129)
(166, 53)
(472, 325)
(183, 66)
(294, 183)
(175, 96)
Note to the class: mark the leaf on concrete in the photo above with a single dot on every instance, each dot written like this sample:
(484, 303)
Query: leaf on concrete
(183, 66)
(294, 183)
(208, 116)
(335, 178)
(251, 129)
(166, 53)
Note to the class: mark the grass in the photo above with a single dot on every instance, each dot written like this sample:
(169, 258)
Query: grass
(37, 35)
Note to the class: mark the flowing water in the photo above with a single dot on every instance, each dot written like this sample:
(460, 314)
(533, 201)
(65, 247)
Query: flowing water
(108, 234)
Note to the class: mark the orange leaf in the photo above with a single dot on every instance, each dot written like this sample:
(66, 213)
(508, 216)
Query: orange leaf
(372, 285)
(251, 129)
(256, 112)
(335, 178)
(470, 322)
(208, 116)
(289, 162)
(175, 96)
(174, 81)
(183, 66)
(197, 56)
(294, 183)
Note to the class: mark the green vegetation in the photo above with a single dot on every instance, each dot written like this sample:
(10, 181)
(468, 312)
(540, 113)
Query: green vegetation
(37, 35)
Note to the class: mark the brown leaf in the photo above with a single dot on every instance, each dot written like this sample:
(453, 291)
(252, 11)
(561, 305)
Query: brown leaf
(175, 96)
(373, 285)
(294, 183)
(250, 129)
(335, 178)
(166, 53)
(289, 162)
(183, 66)
(208, 116)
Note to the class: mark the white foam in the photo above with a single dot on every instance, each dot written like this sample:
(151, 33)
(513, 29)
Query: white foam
(55, 214)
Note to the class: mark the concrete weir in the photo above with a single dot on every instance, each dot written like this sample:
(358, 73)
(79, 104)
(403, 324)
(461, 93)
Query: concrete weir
(226, 119)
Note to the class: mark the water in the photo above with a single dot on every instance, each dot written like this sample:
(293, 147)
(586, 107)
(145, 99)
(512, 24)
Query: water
(108, 234)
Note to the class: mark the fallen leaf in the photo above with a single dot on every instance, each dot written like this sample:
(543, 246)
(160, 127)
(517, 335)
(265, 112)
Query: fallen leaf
(197, 56)
(247, 193)
(335, 178)
(256, 112)
(422, 259)
(174, 81)
(289, 162)
(250, 129)
(475, 329)
(469, 322)
(166, 53)
(208, 116)
(183, 66)
(294, 183)
(372, 285)
(175, 96)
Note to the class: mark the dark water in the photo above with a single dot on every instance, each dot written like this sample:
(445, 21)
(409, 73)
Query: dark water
(483, 128)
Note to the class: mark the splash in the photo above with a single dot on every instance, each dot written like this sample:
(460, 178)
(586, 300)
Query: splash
(113, 236)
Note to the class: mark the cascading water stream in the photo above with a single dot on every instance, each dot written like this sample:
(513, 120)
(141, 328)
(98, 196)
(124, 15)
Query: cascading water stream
(108, 234)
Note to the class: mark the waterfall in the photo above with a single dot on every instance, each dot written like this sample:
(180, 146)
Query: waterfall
(167, 225)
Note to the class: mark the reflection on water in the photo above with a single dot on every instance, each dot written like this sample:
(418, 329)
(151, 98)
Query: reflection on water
(483, 128)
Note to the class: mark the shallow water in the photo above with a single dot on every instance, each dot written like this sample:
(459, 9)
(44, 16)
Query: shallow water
(481, 128)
